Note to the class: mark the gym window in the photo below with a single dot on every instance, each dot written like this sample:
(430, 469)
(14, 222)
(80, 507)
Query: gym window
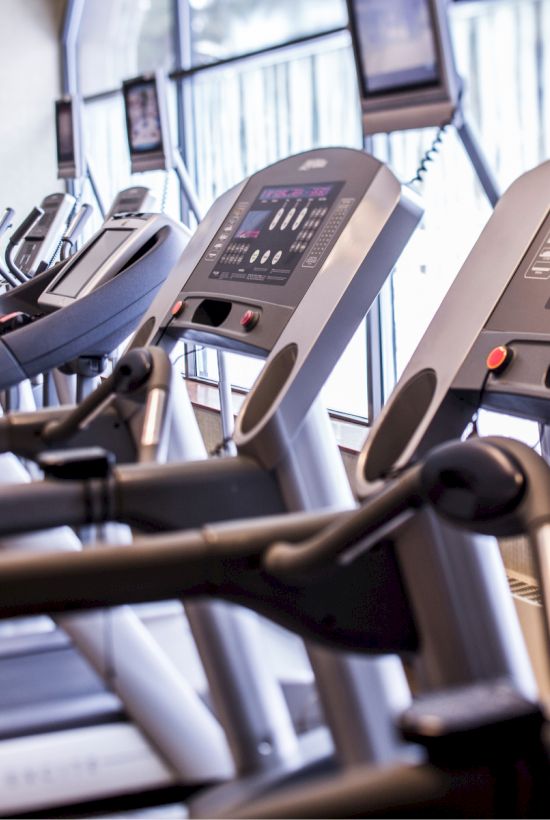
(235, 113)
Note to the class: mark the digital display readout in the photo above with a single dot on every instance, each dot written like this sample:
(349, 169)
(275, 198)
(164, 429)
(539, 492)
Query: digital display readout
(86, 266)
(275, 234)
(296, 192)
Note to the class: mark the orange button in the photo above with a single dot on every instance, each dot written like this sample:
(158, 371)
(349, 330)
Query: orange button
(249, 319)
(177, 307)
(498, 359)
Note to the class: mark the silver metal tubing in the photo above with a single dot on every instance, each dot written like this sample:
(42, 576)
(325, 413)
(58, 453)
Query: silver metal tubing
(246, 695)
(95, 189)
(360, 696)
(226, 404)
(479, 162)
(187, 186)
(462, 604)
(123, 653)
(65, 386)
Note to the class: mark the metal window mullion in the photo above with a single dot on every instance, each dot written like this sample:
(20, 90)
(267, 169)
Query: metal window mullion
(70, 36)
(184, 105)
(69, 46)
(375, 369)
(286, 50)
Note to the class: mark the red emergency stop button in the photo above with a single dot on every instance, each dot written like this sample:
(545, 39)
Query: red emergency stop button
(177, 308)
(249, 319)
(498, 359)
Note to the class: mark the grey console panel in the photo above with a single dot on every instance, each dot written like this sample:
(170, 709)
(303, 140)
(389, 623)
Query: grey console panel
(284, 267)
(424, 408)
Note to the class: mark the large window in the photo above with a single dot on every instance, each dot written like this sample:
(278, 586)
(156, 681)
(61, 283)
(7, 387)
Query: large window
(227, 28)
(245, 113)
(123, 38)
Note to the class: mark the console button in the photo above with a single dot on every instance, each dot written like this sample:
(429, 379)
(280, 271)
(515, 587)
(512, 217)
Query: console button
(249, 319)
(177, 308)
(498, 359)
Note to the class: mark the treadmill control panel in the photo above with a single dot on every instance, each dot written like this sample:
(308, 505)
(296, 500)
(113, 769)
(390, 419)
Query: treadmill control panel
(264, 256)
(43, 238)
(524, 307)
(272, 239)
(514, 344)
(122, 239)
(131, 201)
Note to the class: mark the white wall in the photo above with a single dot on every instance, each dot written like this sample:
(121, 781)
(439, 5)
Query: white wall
(30, 64)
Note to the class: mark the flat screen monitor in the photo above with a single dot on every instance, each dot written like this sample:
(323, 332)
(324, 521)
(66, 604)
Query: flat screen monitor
(64, 131)
(405, 63)
(397, 44)
(143, 117)
(147, 124)
(68, 135)
(79, 274)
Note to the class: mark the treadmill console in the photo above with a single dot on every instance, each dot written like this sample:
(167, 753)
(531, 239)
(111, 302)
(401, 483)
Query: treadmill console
(120, 241)
(104, 290)
(514, 344)
(42, 241)
(265, 254)
(488, 344)
(285, 266)
(137, 199)
(525, 304)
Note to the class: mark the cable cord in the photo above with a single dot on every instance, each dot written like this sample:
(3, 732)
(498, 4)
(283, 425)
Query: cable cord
(433, 150)
(474, 433)
(164, 197)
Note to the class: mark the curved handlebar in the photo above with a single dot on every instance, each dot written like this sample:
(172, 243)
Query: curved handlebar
(288, 561)
(136, 375)
(480, 484)
(74, 229)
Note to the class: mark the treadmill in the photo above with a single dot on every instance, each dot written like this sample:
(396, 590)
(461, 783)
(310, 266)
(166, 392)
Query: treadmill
(103, 299)
(284, 267)
(433, 566)
(79, 311)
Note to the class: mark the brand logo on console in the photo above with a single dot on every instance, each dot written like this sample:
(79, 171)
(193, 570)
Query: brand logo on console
(313, 164)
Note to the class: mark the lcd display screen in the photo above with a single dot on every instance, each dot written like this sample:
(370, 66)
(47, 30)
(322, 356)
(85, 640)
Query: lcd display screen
(143, 117)
(275, 234)
(64, 131)
(397, 47)
(87, 265)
